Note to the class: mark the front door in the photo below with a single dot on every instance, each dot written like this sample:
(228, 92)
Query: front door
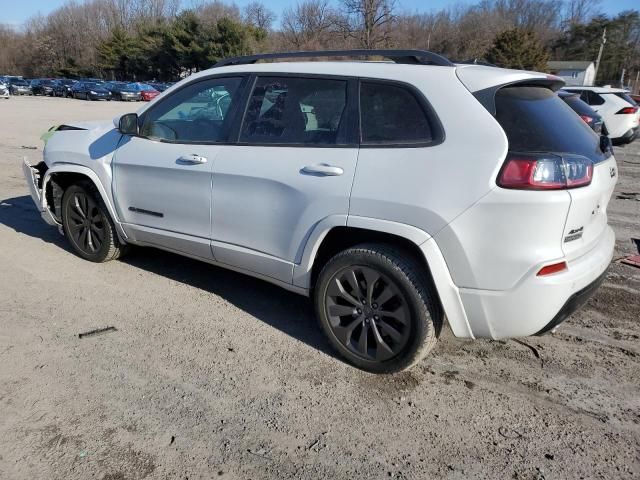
(292, 167)
(162, 178)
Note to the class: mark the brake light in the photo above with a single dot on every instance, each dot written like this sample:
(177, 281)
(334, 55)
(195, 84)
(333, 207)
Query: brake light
(554, 268)
(587, 119)
(545, 172)
(627, 110)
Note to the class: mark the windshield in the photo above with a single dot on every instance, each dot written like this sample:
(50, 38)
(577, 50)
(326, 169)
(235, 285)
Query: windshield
(19, 82)
(93, 85)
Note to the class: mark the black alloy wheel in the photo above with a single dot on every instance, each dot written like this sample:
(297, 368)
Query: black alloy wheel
(87, 224)
(368, 313)
(375, 304)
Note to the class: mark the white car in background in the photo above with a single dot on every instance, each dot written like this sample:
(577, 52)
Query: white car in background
(4, 91)
(359, 184)
(619, 111)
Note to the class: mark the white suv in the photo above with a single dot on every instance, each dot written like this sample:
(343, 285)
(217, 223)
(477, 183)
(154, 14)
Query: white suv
(619, 111)
(395, 194)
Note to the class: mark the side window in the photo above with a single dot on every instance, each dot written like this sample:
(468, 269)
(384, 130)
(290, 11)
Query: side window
(391, 114)
(198, 113)
(595, 99)
(290, 110)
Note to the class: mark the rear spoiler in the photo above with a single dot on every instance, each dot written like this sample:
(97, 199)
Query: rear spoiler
(484, 81)
(487, 96)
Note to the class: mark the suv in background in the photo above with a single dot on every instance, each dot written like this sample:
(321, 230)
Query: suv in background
(359, 184)
(586, 113)
(619, 111)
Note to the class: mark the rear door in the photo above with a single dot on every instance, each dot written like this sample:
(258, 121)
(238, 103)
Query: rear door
(293, 166)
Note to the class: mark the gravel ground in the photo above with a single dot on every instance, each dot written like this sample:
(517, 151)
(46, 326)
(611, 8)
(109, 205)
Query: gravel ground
(212, 374)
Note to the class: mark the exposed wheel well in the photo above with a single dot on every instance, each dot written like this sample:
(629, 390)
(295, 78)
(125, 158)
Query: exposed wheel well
(56, 186)
(341, 238)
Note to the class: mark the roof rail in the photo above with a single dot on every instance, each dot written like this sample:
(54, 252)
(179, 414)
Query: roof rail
(411, 57)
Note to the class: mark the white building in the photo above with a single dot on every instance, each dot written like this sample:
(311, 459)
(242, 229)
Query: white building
(574, 73)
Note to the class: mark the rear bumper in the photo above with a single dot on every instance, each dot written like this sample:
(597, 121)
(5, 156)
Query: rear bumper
(629, 136)
(574, 303)
(538, 304)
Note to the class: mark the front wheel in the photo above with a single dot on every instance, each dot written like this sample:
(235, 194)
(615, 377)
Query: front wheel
(88, 226)
(375, 305)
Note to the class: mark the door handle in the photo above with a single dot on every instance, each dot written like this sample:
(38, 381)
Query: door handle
(192, 159)
(323, 169)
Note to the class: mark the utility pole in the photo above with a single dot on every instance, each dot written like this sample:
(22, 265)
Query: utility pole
(635, 84)
(604, 40)
(622, 78)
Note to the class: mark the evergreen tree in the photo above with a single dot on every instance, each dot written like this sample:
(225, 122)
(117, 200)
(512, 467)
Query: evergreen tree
(518, 48)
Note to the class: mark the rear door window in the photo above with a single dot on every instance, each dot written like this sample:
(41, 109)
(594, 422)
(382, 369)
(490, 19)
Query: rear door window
(535, 119)
(296, 111)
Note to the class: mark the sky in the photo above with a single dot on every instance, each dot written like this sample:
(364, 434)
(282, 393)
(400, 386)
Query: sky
(15, 13)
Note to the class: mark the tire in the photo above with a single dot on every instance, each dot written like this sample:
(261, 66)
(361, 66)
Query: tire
(400, 330)
(88, 226)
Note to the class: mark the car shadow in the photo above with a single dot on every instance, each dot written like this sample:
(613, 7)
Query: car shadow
(288, 312)
(20, 214)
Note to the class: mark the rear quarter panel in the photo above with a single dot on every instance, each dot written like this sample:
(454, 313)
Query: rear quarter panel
(427, 187)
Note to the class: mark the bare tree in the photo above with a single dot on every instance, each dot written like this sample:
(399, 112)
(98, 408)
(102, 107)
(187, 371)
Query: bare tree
(258, 15)
(369, 21)
(580, 11)
(309, 25)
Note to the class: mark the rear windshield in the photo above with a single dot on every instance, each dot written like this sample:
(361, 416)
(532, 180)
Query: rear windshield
(626, 98)
(579, 106)
(535, 119)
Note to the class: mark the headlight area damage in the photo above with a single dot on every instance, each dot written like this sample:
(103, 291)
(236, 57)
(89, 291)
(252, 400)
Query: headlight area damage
(35, 175)
(57, 128)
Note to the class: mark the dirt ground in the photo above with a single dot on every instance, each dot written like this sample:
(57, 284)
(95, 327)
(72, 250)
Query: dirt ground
(212, 374)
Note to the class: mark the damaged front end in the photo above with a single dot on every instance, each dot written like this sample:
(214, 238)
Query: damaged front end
(47, 200)
(35, 176)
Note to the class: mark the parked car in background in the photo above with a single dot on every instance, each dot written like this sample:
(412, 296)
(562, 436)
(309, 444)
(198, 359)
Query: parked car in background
(19, 86)
(147, 92)
(161, 87)
(336, 180)
(62, 87)
(123, 91)
(619, 112)
(586, 113)
(635, 97)
(90, 91)
(42, 86)
(4, 90)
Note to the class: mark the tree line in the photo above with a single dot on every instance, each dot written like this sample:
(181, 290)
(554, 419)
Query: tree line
(164, 39)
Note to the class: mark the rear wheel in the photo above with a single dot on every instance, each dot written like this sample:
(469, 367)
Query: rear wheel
(87, 224)
(375, 306)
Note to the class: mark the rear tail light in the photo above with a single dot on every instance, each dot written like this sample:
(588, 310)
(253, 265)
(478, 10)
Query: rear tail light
(587, 119)
(627, 110)
(545, 172)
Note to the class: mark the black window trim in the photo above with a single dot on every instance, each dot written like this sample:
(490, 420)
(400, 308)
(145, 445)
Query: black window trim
(235, 114)
(437, 130)
(351, 110)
